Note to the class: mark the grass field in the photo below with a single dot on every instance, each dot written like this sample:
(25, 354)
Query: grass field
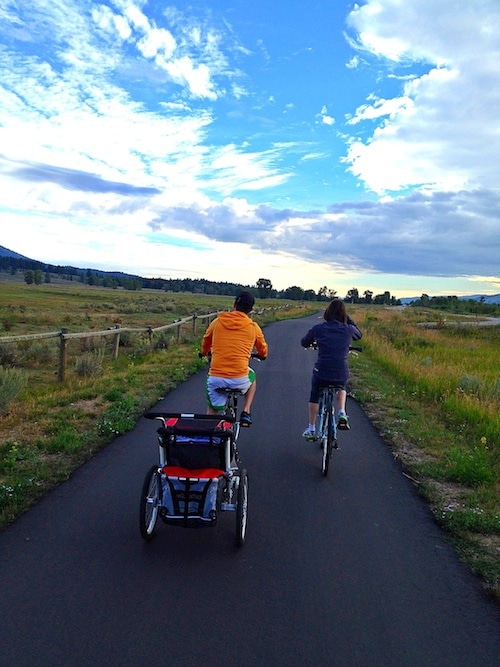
(433, 394)
(48, 428)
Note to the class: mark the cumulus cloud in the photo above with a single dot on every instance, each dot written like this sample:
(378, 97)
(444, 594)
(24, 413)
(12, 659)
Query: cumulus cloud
(443, 131)
(132, 120)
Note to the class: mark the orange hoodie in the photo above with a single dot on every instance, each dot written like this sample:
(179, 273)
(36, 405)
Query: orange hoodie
(231, 338)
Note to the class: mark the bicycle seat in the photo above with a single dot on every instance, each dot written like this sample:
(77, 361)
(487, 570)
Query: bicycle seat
(228, 390)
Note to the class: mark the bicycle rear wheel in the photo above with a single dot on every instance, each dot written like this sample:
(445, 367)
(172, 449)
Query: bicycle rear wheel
(150, 503)
(242, 508)
(327, 441)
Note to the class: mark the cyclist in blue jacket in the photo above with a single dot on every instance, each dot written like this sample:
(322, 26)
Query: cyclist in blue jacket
(332, 338)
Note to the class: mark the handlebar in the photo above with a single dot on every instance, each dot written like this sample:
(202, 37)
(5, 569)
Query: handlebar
(253, 355)
(352, 348)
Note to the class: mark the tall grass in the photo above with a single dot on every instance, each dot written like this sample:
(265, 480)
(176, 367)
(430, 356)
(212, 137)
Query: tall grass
(434, 394)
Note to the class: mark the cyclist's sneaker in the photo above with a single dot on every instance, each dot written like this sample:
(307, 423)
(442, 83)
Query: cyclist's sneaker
(343, 422)
(309, 434)
(245, 419)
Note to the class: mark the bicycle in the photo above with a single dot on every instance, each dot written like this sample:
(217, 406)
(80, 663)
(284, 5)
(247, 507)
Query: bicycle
(327, 423)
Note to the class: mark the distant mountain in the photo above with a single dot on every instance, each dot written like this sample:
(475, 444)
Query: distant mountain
(488, 298)
(27, 262)
(5, 252)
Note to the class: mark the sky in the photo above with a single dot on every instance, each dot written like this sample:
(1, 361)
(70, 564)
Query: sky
(333, 143)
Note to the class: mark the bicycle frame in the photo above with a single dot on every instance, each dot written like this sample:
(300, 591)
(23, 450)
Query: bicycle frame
(231, 409)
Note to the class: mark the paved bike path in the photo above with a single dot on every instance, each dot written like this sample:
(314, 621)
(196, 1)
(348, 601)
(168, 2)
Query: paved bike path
(347, 570)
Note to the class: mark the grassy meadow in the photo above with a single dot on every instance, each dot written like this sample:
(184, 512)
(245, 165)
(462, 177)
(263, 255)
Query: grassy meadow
(48, 428)
(433, 393)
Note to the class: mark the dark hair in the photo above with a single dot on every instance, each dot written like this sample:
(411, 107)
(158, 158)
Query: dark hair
(244, 302)
(336, 311)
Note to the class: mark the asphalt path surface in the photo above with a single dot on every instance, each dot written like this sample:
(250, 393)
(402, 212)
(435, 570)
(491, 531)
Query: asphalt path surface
(348, 570)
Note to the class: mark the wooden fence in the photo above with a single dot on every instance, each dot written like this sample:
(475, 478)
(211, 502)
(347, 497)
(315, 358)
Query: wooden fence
(64, 335)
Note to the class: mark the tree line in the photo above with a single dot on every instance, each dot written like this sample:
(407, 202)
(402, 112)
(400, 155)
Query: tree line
(36, 273)
(453, 304)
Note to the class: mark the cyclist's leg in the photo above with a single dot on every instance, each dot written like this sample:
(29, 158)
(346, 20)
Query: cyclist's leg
(248, 387)
(313, 412)
(341, 399)
(249, 396)
(216, 402)
(312, 409)
(342, 418)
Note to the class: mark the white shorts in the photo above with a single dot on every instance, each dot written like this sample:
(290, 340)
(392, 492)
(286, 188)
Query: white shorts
(217, 399)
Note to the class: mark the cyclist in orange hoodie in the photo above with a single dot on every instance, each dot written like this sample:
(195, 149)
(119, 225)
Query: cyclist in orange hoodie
(230, 339)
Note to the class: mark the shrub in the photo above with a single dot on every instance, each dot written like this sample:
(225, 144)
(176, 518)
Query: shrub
(90, 365)
(12, 382)
(8, 355)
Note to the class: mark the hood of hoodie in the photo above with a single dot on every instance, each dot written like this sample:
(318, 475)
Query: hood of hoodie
(234, 320)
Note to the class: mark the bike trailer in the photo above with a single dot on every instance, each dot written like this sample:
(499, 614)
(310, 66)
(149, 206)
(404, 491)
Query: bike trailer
(196, 453)
(191, 498)
(193, 442)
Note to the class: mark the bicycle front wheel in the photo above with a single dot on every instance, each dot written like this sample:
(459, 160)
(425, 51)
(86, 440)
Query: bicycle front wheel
(150, 503)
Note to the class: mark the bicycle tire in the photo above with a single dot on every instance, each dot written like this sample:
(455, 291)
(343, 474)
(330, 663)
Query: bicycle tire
(242, 508)
(327, 441)
(150, 503)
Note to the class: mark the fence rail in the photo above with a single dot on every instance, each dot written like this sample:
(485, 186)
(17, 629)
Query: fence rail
(64, 335)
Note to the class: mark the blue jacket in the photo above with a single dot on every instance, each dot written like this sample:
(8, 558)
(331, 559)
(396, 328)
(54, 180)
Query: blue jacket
(333, 340)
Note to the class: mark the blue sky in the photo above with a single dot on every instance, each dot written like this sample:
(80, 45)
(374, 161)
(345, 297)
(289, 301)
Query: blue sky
(321, 143)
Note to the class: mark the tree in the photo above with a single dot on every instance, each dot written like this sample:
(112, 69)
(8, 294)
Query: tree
(264, 286)
(368, 296)
(294, 293)
(29, 277)
(352, 295)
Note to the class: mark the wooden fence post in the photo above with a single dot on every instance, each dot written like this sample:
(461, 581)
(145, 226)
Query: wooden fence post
(62, 356)
(150, 335)
(194, 324)
(116, 342)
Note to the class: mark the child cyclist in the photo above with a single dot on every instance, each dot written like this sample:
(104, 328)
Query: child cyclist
(230, 339)
(332, 338)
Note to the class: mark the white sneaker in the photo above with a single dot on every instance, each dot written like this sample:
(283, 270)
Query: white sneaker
(309, 434)
(343, 422)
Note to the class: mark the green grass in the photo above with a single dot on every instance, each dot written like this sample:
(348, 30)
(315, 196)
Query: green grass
(434, 396)
(50, 428)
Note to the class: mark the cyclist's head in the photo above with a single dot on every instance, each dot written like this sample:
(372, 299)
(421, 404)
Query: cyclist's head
(244, 302)
(336, 311)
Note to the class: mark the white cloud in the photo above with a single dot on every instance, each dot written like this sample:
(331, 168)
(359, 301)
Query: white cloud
(119, 127)
(443, 130)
